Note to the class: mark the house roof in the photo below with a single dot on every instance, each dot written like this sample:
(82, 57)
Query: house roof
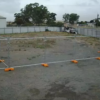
(1, 17)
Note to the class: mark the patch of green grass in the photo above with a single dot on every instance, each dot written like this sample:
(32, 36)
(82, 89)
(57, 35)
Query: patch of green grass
(23, 35)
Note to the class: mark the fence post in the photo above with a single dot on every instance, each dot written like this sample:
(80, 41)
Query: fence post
(45, 39)
(81, 31)
(87, 32)
(53, 28)
(20, 29)
(92, 32)
(99, 35)
(59, 29)
(8, 40)
(4, 30)
(27, 29)
(96, 33)
(45, 28)
(12, 29)
(40, 28)
(34, 28)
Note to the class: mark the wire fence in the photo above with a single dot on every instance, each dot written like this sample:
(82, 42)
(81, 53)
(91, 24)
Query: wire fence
(24, 52)
(93, 32)
(11, 30)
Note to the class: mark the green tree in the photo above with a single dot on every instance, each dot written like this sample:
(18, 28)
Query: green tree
(73, 18)
(81, 22)
(91, 21)
(35, 13)
(18, 19)
(66, 17)
(51, 18)
(85, 22)
(97, 22)
(59, 24)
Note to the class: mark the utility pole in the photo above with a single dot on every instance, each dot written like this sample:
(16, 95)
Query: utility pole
(97, 19)
(97, 16)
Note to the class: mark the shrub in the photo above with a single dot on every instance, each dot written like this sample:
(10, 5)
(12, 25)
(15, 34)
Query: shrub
(46, 30)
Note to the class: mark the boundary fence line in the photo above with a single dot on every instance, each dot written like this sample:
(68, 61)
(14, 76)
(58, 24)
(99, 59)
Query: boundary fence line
(27, 29)
(14, 30)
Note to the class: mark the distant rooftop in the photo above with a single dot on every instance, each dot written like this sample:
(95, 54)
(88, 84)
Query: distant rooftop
(1, 17)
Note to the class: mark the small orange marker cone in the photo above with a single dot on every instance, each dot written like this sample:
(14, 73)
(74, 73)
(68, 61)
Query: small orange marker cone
(74, 61)
(12, 69)
(45, 65)
(9, 69)
(1, 60)
(98, 51)
(98, 58)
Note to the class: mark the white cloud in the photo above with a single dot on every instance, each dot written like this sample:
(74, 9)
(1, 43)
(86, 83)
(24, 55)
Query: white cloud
(95, 1)
(9, 7)
(87, 9)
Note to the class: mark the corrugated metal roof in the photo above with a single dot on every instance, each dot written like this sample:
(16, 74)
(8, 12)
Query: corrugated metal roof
(1, 17)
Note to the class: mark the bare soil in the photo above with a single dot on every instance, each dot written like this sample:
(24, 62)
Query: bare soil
(60, 81)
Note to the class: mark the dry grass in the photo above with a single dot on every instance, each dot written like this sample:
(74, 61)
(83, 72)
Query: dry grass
(95, 42)
(39, 43)
(21, 35)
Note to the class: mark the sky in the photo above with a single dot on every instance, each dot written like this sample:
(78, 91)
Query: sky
(87, 9)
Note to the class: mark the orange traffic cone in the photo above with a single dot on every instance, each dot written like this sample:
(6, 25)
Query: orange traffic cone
(45, 65)
(9, 69)
(98, 51)
(98, 58)
(1, 60)
(74, 61)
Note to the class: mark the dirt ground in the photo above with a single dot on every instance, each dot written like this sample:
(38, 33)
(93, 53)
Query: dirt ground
(60, 81)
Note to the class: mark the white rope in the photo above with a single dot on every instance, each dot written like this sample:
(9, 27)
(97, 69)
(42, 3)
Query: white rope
(44, 37)
(2, 37)
(47, 63)
(5, 64)
(2, 68)
(52, 62)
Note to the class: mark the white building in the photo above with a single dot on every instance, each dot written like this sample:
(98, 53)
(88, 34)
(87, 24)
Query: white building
(91, 24)
(2, 22)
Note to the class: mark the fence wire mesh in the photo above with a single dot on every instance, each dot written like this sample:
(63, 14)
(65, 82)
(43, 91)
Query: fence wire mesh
(93, 32)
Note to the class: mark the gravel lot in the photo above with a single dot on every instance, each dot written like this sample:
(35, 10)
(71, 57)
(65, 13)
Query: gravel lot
(60, 81)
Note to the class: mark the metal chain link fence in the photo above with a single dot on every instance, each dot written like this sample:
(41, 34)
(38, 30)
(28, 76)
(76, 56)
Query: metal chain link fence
(93, 32)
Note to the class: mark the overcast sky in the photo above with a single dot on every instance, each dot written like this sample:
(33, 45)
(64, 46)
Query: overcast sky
(87, 9)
